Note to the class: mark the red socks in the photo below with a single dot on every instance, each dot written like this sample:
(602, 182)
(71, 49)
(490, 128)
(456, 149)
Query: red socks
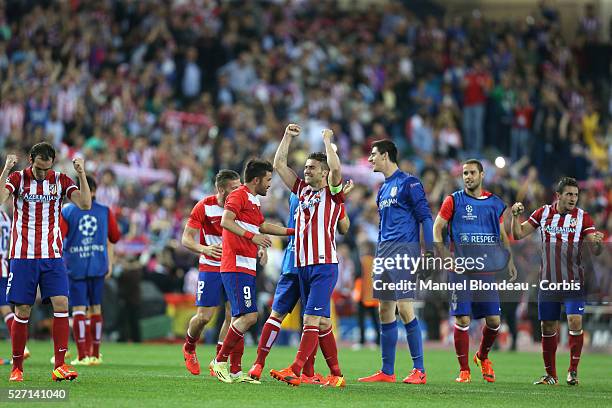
(231, 339)
(79, 330)
(19, 335)
(269, 333)
(61, 332)
(190, 342)
(327, 342)
(310, 339)
(8, 320)
(96, 334)
(236, 357)
(308, 369)
(488, 338)
(219, 345)
(462, 346)
(88, 336)
(576, 339)
(549, 349)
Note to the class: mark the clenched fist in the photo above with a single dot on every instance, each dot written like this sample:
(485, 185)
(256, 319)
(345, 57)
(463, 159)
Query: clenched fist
(327, 134)
(517, 209)
(11, 160)
(293, 130)
(79, 165)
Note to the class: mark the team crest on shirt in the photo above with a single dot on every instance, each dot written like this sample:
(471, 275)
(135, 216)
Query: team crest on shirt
(53, 189)
(573, 222)
(393, 191)
(469, 216)
(247, 302)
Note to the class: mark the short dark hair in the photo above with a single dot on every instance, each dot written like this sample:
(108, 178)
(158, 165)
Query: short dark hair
(256, 168)
(224, 176)
(44, 150)
(386, 146)
(90, 181)
(476, 162)
(321, 158)
(566, 182)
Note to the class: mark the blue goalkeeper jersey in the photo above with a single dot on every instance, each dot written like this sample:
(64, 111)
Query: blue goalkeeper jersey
(288, 258)
(402, 207)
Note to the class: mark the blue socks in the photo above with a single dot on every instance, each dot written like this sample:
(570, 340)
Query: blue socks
(388, 341)
(415, 343)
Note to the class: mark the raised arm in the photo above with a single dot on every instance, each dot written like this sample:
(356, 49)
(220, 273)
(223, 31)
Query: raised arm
(280, 158)
(81, 197)
(333, 161)
(520, 231)
(11, 160)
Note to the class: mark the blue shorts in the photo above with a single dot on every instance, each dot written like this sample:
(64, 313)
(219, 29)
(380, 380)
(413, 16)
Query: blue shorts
(3, 283)
(387, 273)
(86, 292)
(549, 305)
(474, 303)
(210, 290)
(317, 283)
(26, 275)
(240, 290)
(287, 293)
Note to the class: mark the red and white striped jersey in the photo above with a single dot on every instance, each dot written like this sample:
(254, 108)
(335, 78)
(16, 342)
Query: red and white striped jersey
(562, 236)
(206, 217)
(240, 254)
(5, 236)
(37, 206)
(315, 224)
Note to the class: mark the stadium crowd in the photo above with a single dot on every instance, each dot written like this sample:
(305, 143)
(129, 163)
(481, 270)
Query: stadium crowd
(158, 96)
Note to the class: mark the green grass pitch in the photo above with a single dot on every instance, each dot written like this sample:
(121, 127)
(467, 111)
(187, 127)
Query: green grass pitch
(135, 375)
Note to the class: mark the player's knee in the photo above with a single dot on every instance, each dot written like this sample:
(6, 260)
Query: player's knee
(386, 311)
(250, 319)
(574, 322)
(23, 311)
(81, 309)
(60, 303)
(278, 315)
(96, 309)
(549, 327)
(310, 320)
(493, 322)
(463, 321)
(406, 311)
(325, 324)
(203, 316)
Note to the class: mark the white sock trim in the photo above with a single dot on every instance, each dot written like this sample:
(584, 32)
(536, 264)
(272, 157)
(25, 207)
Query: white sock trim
(466, 328)
(78, 312)
(236, 331)
(8, 317)
(549, 335)
(491, 328)
(61, 314)
(274, 323)
(325, 334)
(24, 321)
(576, 332)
